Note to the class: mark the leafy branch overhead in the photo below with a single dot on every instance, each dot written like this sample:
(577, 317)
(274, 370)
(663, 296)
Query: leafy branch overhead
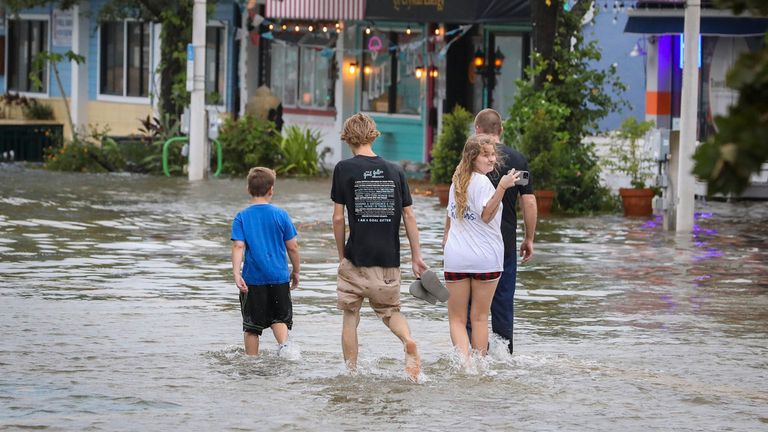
(740, 147)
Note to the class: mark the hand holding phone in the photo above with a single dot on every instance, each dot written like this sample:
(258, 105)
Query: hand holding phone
(524, 177)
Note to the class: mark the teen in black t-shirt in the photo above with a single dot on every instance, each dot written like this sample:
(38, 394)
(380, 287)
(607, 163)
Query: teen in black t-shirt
(375, 195)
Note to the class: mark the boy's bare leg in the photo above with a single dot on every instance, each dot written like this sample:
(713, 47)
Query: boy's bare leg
(251, 343)
(399, 327)
(280, 330)
(349, 338)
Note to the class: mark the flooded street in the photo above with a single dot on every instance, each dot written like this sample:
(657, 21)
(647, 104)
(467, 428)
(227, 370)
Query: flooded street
(118, 312)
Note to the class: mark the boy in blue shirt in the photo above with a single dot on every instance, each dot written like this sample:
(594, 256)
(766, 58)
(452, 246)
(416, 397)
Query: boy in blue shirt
(263, 234)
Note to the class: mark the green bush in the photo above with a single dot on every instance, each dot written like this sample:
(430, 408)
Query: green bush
(90, 151)
(446, 153)
(37, 111)
(534, 127)
(299, 148)
(249, 142)
(627, 155)
(84, 156)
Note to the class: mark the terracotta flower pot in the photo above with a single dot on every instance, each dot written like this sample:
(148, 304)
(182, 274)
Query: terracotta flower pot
(637, 202)
(441, 190)
(544, 200)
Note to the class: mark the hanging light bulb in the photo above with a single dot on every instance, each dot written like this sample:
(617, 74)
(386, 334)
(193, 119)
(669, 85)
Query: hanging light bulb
(310, 28)
(296, 28)
(325, 29)
(408, 30)
(437, 31)
(352, 68)
(367, 69)
(271, 27)
(367, 30)
(419, 71)
(284, 27)
(433, 72)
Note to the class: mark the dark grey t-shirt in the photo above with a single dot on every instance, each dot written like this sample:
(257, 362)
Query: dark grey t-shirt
(374, 192)
(510, 158)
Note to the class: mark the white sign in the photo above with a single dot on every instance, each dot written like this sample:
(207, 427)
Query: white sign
(63, 21)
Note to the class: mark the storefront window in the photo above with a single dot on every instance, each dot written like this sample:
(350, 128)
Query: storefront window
(389, 81)
(301, 76)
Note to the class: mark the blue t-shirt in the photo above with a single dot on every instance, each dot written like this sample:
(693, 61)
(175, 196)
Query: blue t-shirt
(264, 228)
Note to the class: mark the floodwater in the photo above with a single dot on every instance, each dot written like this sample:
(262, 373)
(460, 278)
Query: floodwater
(118, 312)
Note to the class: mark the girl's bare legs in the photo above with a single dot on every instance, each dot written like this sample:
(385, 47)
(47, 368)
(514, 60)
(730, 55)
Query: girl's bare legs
(458, 302)
(482, 296)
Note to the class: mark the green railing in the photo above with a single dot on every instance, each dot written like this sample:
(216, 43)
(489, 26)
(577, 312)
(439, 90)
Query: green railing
(219, 155)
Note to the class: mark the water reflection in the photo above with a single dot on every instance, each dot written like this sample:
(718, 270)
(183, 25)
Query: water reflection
(118, 309)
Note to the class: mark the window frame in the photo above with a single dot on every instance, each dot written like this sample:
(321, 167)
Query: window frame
(298, 107)
(124, 98)
(392, 74)
(47, 82)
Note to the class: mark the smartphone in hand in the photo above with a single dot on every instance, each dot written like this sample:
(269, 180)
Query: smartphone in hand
(524, 177)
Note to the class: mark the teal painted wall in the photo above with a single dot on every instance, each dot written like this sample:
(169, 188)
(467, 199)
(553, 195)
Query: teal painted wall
(401, 138)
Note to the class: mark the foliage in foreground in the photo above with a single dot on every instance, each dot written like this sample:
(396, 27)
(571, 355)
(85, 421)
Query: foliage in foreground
(740, 148)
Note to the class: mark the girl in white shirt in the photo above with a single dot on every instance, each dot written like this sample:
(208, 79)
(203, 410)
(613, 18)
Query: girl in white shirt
(472, 243)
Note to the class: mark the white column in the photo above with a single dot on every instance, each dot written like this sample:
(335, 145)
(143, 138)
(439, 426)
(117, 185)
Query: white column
(198, 139)
(688, 110)
(79, 78)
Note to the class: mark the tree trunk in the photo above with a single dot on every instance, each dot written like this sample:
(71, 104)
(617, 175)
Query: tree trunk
(544, 19)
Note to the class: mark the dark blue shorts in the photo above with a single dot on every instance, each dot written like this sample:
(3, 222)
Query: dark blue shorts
(265, 305)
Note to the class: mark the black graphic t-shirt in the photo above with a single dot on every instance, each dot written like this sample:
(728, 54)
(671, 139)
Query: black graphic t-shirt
(510, 158)
(374, 192)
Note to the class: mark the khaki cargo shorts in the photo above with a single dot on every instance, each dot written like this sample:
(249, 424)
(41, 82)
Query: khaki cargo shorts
(380, 285)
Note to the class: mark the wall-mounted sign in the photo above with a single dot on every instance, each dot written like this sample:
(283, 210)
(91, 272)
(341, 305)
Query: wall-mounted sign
(63, 22)
(453, 11)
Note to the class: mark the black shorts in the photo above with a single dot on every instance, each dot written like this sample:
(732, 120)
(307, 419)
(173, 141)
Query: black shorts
(265, 305)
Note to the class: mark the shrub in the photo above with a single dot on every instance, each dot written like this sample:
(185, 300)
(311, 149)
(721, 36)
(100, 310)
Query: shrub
(446, 153)
(627, 154)
(35, 110)
(85, 157)
(299, 148)
(88, 152)
(248, 142)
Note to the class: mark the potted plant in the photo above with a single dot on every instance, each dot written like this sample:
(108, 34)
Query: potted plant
(534, 127)
(627, 157)
(446, 152)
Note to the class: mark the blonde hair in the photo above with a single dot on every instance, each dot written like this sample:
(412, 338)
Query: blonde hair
(488, 121)
(260, 180)
(359, 130)
(463, 173)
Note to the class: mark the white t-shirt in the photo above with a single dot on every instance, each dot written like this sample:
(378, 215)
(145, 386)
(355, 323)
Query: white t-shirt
(474, 246)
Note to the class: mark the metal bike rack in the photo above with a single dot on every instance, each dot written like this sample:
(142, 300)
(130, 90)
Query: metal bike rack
(219, 154)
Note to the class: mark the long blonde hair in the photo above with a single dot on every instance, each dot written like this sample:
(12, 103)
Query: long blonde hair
(463, 173)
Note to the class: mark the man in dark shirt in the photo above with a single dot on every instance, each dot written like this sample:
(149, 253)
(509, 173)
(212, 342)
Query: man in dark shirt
(375, 194)
(488, 121)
